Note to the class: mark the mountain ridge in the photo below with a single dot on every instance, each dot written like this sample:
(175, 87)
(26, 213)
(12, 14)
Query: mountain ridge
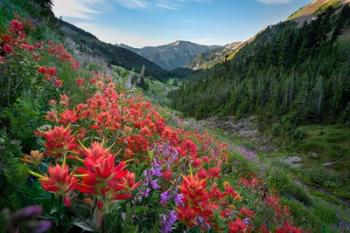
(115, 55)
(315, 7)
(177, 54)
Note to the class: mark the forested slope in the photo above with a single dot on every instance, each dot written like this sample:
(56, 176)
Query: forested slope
(288, 70)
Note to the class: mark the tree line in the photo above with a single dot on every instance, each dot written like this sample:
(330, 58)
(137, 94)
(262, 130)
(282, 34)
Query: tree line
(299, 71)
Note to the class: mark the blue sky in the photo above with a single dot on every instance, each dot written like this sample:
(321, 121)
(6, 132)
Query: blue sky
(153, 22)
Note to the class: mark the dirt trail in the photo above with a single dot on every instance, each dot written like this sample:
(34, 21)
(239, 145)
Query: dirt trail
(246, 128)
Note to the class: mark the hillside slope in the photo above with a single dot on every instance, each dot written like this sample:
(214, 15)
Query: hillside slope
(113, 54)
(284, 70)
(215, 56)
(80, 152)
(315, 7)
(174, 55)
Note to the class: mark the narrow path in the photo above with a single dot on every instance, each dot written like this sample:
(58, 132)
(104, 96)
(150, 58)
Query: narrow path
(252, 155)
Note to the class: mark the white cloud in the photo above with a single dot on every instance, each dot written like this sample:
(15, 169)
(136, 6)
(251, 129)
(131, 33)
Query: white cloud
(132, 4)
(162, 4)
(83, 9)
(272, 2)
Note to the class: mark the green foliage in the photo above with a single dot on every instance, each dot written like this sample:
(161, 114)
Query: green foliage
(287, 70)
(279, 179)
(24, 117)
(13, 173)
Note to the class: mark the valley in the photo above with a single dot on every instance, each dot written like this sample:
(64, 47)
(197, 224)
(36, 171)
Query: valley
(248, 137)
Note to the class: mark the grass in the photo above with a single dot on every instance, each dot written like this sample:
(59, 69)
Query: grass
(331, 168)
(158, 91)
(313, 208)
(314, 8)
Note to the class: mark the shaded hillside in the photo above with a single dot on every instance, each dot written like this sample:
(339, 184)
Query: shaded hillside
(298, 72)
(113, 54)
(174, 55)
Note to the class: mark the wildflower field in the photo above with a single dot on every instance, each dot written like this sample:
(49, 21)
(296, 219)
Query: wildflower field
(81, 153)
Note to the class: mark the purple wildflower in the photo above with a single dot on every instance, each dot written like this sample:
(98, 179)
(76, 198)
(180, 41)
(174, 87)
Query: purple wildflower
(156, 169)
(41, 226)
(164, 197)
(246, 221)
(26, 218)
(27, 212)
(144, 193)
(168, 221)
(179, 199)
(154, 184)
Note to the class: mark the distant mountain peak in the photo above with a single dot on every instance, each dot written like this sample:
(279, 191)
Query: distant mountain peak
(178, 42)
(177, 54)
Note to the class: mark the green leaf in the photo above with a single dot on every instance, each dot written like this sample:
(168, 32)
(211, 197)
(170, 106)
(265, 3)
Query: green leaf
(85, 226)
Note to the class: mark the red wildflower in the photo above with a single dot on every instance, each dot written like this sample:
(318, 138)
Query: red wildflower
(7, 48)
(81, 133)
(186, 215)
(60, 182)
(287, 228)
(42, 69)
(167, 174)
(96, 151)
(230, 191)
(194, 190)
(196, 162)
(67, 202)
(214, 172)
(67, 117)
(274, 202)
(251, 182)
(16, 26)
(215, 193)
(122, 188)
(102, 167)
(52, 102)
(102, 176)
(137, 143)
(58, 141)
(2, 59)
(237, 226)
(58, 179)
(202, 173)
(247, 212)
(263, 229)
(188, 148)
(6, 38)
(58, 83)
(80, 82)
(130, 181)
(51, 116)
(27, 47)
(51, 71)
(64, 100)
(107, 120)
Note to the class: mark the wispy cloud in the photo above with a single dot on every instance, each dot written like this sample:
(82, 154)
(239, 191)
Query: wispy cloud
(161, 4)
(133, 4)
(82, 9)
(273, 2)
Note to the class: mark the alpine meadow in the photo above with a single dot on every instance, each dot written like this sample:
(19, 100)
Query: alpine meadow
(181, 116)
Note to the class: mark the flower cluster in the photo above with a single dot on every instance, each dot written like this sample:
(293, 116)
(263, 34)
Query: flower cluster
(16, 37)
(16, 41)
(114, 147)
(50, 74)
